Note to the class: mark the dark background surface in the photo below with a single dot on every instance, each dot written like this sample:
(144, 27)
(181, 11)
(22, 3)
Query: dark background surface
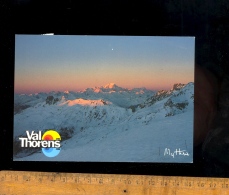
(207, 20)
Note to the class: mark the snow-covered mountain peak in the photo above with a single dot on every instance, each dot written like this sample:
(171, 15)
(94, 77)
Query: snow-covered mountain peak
(178, 86)
(110, 86)
(84, 102)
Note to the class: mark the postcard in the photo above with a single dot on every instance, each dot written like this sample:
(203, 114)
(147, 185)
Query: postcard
(104, 98)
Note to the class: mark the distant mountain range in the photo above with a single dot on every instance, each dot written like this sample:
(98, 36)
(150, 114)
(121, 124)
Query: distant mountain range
(111, 92)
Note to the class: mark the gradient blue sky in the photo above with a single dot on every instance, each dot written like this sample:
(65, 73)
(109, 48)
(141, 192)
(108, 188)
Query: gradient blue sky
(58, 63)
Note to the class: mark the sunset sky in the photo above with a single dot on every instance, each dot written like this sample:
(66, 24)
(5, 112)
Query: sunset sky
(58, 63)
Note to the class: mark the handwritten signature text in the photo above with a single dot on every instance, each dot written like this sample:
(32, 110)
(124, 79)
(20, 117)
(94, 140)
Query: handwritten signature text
(177, 152)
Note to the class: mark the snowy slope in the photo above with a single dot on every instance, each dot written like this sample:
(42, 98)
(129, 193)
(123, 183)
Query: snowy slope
(111, 123)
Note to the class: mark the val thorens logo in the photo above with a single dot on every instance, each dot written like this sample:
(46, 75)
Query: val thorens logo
(49, 142)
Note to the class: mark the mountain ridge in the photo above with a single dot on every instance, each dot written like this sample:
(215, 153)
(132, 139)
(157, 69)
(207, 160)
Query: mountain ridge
(112, 93)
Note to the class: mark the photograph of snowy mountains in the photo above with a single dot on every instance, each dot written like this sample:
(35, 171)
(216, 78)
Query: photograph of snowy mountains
(111, 98)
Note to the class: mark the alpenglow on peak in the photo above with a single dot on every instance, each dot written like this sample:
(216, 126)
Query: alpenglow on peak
(110, 86)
